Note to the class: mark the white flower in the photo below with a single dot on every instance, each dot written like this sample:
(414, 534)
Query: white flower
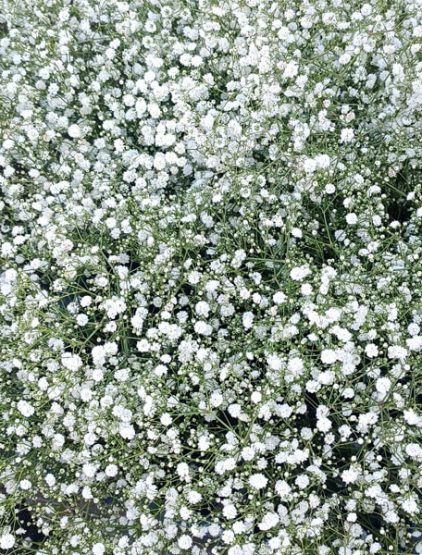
(98, 549)
(397, 352)
(328, 356)
(302, 481)
(282, 488)
(349, 476)
(309, 165)
(414, 450)
(414, 343)
(383, 385)
(324, 424)
(279, 297)
(74, 131)
(323, 161)
(25, 484)
(247, 453)
(274, 362)
(216, 399)
(295, 366)
(300, 272)
(185, 542)
(291, 70)
(351, 219)
(127, 431)
(111, 470)
(183, 470)
(306, 289)
(25, 408)
(50, 480)
(412, 418)
(194, 497)
(202, 308)
(258, 481)
(202, 328)
(98, 355)
(229, 511)
(256, 397)
(7, 540)
(71, 361)
(82, 319)
(114, 307)
(344, 59)
(270, 520)
(247, 320)
(89, 470)
(347, 135)
(166, 419)
(194, 277)
(8, 144)
(371, 350)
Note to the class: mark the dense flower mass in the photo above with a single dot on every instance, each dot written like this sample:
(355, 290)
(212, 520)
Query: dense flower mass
(211, 301)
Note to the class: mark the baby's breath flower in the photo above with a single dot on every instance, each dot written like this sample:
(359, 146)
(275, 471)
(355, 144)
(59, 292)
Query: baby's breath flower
(210, 302)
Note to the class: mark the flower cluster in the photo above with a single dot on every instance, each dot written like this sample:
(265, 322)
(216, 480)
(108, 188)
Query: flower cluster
(210, 301)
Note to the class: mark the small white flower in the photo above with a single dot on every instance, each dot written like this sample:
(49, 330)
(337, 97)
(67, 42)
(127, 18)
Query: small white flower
(414, 343)
(7, 540)
(344, 59)
(295, 366)
(347, 135)
(185, 542)
(98, 549)
(202, 308)
(371, 350)
(216, 399)
(183, 470)
(166, 419)
(302, 481)
(71, 361)
(274, 362)
(25, 484)
(414, 450)
(309, 165)
(270, 520)
(258, 481)
(194, 497)
(74, 131)
(383, 385)
(89, 470)
(202, 328)
(25, 408)
(349, 476)
(127, 431)
(323, 161)
(282, 488)
(397, 352)
(247, 320)
(291, 70)
(229, 511)
(300, 272)
(256, 397)
(324, 424)
(279, 297)
(194, 277)
(81, 319)
(328, 356)
(412, 418)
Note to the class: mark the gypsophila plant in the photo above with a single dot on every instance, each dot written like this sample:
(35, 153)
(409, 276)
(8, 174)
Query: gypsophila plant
(211, 301)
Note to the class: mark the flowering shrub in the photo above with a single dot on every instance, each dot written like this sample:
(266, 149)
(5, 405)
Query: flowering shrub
(210, 277)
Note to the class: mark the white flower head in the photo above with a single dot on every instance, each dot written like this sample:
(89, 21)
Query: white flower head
(258, 481)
